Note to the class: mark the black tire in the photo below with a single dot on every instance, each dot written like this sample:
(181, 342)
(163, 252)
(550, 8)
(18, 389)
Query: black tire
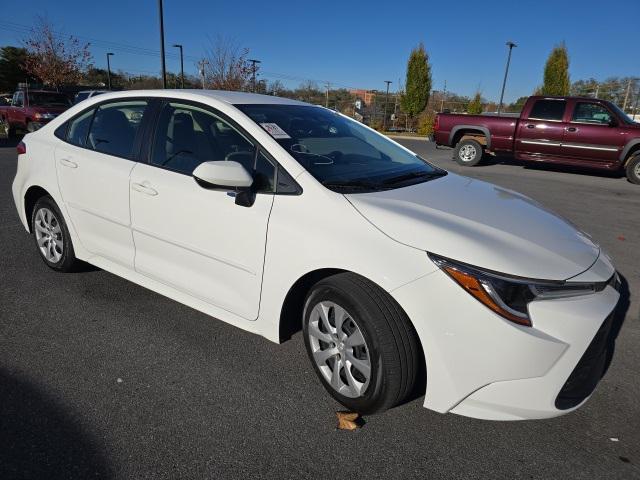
(67, 261)
(393, 348)
(468, 153)
(633, 169)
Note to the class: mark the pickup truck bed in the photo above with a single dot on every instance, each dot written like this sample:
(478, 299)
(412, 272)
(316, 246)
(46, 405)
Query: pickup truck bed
(576, 131)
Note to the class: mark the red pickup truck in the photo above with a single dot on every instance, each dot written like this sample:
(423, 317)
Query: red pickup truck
(576, 131)
(31, 109)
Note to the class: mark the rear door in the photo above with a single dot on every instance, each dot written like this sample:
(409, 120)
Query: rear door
(593, 133)
(541, 133)
(94, 164)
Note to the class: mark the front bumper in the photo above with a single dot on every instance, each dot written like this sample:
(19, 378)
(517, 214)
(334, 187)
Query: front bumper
(480, 365)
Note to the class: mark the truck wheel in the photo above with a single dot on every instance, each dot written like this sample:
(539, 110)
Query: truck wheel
(633, 169)
(468, 153)
(31, 127)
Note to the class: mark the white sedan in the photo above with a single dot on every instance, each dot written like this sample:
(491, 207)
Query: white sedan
(275, 215)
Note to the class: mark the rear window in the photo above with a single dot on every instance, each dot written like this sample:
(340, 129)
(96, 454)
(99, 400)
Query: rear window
(548, 110)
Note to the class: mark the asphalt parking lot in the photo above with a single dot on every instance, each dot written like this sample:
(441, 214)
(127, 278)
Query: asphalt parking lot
(101, 378)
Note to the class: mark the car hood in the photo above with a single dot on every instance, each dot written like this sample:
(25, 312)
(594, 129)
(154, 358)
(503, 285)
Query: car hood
(480, 224)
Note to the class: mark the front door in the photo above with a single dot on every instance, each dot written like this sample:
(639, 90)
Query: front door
(93, 168)
(593, 134)
(540, 135)
(196, 239)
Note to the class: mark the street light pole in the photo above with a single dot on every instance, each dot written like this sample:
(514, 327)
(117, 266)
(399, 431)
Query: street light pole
(181, 65)
(109, 71)
(253, 68)
(386, 101)
(506, 72)
(164, 69)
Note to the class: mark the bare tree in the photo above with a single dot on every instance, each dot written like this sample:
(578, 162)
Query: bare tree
(228, 68)
(55, 60)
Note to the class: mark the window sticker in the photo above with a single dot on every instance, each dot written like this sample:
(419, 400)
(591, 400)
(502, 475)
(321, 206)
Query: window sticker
(274, 130)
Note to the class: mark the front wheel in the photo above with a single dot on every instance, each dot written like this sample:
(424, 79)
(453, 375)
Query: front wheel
(468, 153)
(361, 344)
(633, 169)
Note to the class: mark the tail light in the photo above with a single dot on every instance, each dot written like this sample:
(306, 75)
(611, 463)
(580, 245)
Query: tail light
(436, 123)
(21, 148)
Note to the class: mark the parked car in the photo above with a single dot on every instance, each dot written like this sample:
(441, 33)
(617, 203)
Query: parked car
(30, 110)
(578, 131)
(274, 215)
(84, 94)
(5, 99)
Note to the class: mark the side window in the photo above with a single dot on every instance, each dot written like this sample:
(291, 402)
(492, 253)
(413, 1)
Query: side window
(18, 101)
(187, 136)
(79, 129)
(586, 112)
(265, 173)
(114, 127)
(548, 110)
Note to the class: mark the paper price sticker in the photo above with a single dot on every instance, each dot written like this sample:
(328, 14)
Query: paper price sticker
(274, 130)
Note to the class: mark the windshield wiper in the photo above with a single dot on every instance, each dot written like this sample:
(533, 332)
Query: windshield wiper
(410, 176)
(348, 184)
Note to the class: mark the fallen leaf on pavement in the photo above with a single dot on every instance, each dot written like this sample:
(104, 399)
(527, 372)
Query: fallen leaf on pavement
(347, 420)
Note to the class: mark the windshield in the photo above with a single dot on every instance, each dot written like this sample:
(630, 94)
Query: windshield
(339, 152)
(48, 99)
(625, 118)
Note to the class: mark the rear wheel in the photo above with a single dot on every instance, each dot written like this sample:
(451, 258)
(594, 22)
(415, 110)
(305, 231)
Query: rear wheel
(360, 343)
(52, 237)
(468, 153)
(633, 169)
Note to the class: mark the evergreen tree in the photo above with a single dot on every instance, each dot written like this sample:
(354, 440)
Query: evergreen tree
(556, 72)
(475, 105)
(11, 68)
(418, 82)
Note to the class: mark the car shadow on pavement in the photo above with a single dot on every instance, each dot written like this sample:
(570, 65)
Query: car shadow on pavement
(40, 438)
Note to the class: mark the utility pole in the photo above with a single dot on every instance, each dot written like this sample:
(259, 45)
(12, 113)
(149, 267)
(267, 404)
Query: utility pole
(626, 96)
(506, 72)
(201, 65)
(326, 102)
(254, 68)
(395, 109)
(386, 101)
(444, 94)
(597, 90)
(164, 68)
(109, 71)
(181, 65)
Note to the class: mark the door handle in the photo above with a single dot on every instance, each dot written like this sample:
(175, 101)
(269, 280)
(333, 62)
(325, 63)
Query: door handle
(68, 163)
(531, 125)
(571, 129)
(142, 188)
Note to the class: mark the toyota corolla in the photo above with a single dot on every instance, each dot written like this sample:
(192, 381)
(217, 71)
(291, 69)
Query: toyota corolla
(275, 215)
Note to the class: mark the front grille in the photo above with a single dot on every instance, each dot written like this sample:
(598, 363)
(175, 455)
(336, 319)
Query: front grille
(589, 370)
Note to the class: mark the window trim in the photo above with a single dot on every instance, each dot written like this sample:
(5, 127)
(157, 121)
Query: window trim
(135, 152)
(575, 105)
(148, 143)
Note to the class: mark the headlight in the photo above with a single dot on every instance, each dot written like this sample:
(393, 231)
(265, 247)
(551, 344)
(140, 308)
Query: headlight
(44, 116)
(510, 296)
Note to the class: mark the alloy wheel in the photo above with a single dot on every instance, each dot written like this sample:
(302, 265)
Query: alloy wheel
(49, 235)
(339, 349)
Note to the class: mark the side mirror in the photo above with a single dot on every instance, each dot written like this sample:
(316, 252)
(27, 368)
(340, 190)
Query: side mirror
(613, 122)
(222, 175)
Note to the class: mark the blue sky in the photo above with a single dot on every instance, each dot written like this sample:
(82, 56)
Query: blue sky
(359, 44)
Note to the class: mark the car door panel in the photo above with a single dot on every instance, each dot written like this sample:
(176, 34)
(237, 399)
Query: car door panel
(198, 240)
(541, 134)
(95, 189)
(586, 139)
(93, 176)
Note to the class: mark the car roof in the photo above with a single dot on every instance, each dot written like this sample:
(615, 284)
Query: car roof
(232, 98)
